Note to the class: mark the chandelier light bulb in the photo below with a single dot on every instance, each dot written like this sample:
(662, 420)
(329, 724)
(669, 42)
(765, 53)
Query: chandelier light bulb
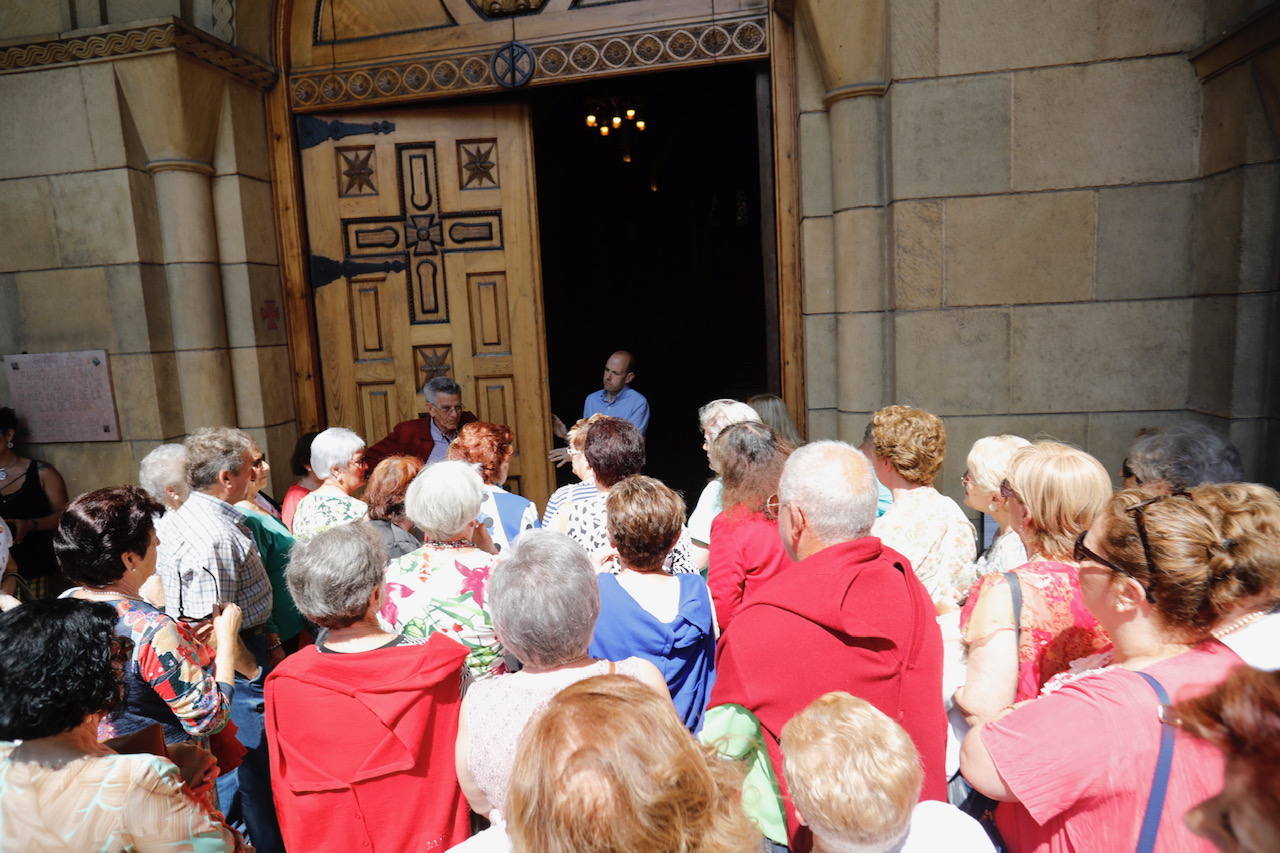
(617, 121)
(640, 124)
(604, 130)
(631, 114)
(591, 121)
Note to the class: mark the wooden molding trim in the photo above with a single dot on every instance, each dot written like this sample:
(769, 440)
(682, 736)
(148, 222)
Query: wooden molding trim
(1253, 36)
(161, 35)
(286, 193)
(424, 77)
(786, 173)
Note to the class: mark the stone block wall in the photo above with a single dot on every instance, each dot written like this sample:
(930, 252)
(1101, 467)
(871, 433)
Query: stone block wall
(1038, 220)
(137, 218)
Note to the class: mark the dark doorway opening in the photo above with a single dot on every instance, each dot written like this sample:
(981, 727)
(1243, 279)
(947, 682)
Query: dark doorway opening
(654, 240)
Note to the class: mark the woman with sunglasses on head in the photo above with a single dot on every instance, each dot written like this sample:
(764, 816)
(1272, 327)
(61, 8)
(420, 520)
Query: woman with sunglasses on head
(1250, 519)
(106, 542)
(1021, 627)
(1083, 767)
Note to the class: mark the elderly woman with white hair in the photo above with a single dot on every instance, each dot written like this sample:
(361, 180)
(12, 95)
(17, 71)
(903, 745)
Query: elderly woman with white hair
(544, 600)
(712, 418)
(337, 457)
(441, 586)
(986, 467)
(362, 722)
(163, 474)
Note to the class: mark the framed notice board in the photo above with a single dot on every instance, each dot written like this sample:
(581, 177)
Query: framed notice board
(63, 396)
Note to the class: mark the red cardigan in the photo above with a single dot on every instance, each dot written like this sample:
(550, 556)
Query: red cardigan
(410, 438)
(361, 748)
(852, 617)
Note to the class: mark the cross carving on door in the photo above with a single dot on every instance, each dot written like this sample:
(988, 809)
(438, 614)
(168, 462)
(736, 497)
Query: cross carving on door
(421, 234)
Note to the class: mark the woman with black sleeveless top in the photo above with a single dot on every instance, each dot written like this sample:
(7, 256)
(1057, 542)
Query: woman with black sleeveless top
(32, 498)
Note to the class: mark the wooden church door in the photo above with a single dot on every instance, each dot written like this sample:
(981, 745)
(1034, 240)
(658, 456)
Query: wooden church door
(424, 262)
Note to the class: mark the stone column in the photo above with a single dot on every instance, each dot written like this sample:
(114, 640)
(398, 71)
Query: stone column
(849, 42)
(174, 103)
(184, 200)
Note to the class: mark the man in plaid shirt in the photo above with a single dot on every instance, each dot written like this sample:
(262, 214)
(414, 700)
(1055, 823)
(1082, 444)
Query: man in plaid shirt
(207, 557)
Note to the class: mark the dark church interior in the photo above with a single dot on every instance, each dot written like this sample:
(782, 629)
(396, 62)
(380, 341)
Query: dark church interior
(644, 230)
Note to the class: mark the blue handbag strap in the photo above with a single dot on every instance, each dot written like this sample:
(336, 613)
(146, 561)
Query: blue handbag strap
(1015, 590)
(1164, 763)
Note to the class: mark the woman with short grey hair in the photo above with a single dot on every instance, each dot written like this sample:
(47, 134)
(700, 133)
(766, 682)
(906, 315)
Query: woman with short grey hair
(544, 599)
(337, 458)
(359, 689)
(440, 587)
(163, 474)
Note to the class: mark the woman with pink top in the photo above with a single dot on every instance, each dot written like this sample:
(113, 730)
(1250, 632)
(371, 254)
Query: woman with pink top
(1022, 627)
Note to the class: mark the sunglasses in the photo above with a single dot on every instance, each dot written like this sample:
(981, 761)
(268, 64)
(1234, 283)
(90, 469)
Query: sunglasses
(182, 616)
(1082, 553)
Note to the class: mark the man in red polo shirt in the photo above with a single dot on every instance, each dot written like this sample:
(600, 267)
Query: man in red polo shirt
(849, 615)
(426, 438)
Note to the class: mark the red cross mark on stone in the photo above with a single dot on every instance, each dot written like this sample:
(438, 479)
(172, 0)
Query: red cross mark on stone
(270, 314)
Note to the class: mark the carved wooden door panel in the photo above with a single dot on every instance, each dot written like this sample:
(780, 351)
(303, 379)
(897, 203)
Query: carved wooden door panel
(424, 261)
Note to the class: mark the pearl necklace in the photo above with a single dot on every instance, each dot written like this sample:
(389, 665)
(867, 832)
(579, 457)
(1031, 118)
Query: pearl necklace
(1232, 627)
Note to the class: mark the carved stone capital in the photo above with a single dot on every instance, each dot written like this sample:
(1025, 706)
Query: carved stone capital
(851, 42)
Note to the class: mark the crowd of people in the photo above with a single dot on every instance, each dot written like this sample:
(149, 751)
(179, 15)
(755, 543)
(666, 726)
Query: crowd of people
(823, 655)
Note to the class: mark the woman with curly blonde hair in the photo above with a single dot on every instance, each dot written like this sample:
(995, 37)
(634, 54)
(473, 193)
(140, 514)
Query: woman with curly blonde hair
(906, 447)
(489, 447)
(608, 766)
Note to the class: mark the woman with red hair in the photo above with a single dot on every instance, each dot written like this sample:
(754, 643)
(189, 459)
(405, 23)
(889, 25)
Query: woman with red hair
(489, 447)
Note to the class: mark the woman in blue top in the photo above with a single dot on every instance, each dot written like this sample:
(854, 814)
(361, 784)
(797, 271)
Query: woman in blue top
(647, 613)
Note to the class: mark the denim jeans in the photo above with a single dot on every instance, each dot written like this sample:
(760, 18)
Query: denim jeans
(245, 793)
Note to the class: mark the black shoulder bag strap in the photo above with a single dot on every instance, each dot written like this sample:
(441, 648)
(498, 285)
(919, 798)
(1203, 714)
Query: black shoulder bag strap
(1164, 763)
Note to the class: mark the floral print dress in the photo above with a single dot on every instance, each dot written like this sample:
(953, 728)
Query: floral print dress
(319, 511)
(1055, 626)
(102, 802)
(440, 588)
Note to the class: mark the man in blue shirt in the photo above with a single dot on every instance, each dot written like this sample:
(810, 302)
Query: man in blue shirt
(617, 399)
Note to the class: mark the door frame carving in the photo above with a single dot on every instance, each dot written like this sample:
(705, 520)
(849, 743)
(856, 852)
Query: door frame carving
(282, 106)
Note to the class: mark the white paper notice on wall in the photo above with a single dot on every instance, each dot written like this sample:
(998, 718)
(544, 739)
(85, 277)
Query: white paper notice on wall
(62, 396)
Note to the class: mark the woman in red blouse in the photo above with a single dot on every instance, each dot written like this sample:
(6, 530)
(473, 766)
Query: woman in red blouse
(746, 550)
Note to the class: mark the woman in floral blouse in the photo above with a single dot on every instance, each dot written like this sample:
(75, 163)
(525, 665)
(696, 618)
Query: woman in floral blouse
(106, 541)
(337, 455)
(440, 587)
